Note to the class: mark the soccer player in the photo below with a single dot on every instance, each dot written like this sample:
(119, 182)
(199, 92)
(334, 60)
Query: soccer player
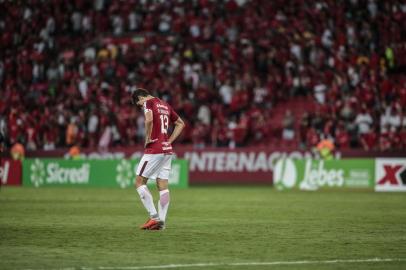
(157, 158)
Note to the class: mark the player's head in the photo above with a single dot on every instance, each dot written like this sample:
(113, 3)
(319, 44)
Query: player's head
(139, 96)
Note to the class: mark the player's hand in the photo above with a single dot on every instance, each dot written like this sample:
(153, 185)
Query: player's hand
(148, 141)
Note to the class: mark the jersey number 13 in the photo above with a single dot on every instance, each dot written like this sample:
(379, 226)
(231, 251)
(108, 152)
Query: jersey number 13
(164, 123)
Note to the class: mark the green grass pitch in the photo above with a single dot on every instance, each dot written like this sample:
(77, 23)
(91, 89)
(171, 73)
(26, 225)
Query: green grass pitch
(72, 228)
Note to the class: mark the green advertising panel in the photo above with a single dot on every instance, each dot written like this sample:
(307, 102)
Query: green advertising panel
(310, 174)
(95, 173)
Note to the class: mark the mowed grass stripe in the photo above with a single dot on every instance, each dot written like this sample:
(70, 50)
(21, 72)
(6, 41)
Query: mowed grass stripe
(70, 228)
(209, 265)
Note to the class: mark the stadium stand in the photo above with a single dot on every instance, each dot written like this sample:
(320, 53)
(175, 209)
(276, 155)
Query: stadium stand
(239, 72)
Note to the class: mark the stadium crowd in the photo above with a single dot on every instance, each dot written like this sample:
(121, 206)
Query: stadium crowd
(67, 67)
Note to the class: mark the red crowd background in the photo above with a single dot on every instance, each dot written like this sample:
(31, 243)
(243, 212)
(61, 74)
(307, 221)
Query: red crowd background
(240, 73)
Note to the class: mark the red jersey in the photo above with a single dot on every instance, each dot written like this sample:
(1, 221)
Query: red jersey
(162, 115)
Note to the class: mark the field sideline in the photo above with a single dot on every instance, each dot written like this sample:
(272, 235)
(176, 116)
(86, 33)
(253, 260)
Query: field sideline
(208, 228)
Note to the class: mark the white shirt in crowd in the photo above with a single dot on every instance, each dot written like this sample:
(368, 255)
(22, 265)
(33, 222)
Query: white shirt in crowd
(259, 94)
(83, 88)
(93, 123)
(132, 21)
(390, 121)
(76, 20)
(204, 114)
(226, 92)
(117, 23)
(364, 122)
(320, 92)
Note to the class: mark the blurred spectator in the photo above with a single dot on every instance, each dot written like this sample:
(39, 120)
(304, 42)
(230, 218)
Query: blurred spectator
(320, 92)
(32, 137)
(226, 92)
(312, 137)
(49, 138)
(17, 151)
(303, 128)
(288, 125)
(394, 120)
(342, 137)
(364, 121)
(219, 134)
(199, 135)
(325, 148)
(92, 127)
(74, 153)
(105, 138)
(369, 140)
(204, 115)
(402, 137)
(72, 131)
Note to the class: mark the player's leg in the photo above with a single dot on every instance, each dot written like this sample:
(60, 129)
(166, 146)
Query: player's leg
(146, 196)
(164, 198)
(144, 171)
(163, 187)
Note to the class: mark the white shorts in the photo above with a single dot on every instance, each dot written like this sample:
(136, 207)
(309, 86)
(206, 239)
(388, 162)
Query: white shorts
(154, 166)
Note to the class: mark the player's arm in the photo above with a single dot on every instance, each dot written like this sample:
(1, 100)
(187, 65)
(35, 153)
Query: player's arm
(148, 126)
(179, 126)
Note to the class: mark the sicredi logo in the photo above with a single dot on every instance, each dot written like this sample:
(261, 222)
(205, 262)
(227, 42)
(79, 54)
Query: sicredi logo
(37, 172)
(390, 174)
(53, 173)
(125, 175)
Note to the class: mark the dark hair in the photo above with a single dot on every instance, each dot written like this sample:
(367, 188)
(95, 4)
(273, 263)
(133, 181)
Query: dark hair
(139, 92)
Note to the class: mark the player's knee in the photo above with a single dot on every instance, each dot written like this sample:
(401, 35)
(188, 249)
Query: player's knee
(139, 181)
(162, 184)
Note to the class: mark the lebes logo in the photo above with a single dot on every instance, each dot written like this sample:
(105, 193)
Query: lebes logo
(390, 174)
(125, 173)
(308, 175)
(285, 174)
(317, 175)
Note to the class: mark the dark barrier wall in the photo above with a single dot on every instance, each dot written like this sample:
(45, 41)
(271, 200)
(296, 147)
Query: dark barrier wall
(222, 165)
(10, 172)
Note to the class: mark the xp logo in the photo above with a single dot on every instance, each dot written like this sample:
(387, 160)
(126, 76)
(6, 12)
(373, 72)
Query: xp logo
(285, 174)
(125, 175)
(390, 175)
(37, 172)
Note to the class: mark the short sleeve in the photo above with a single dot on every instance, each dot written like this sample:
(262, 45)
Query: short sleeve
(147, 106)
(174, 116)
